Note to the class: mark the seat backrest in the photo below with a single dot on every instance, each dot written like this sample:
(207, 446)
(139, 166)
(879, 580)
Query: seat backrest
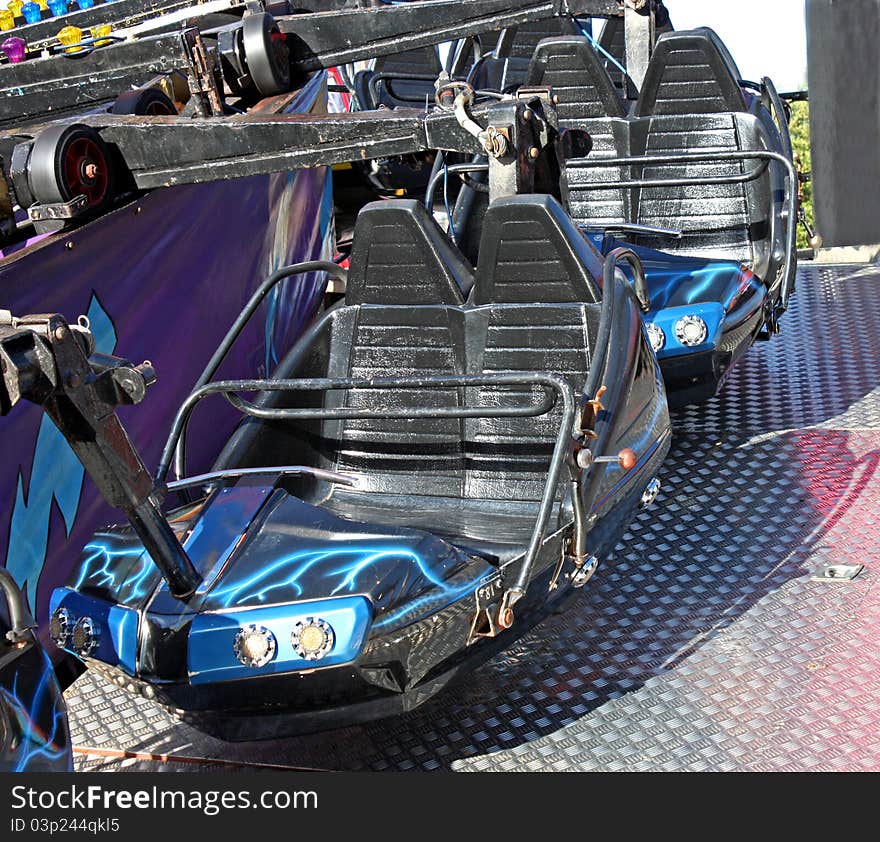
(508, 64)
(690, 72)
(532, 253)
(588, 101)
(400, 255)
(691, 101)
(394, 93)
(535, 309)
(529, 35)
(507, 458)
(613, 41)
(393, 454)
(571, 66)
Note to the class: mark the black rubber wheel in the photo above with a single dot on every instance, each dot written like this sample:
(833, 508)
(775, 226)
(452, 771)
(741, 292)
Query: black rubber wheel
(69, 160)
(149, 102)
(266, 54)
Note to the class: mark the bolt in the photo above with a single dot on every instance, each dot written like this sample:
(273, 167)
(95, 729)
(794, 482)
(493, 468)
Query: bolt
(68, 245)
(90, 170)
(534, 152)
(527, 114)
(60, 332)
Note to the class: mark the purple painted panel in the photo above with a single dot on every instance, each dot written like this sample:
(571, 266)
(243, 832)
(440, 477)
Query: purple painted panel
(161, 279)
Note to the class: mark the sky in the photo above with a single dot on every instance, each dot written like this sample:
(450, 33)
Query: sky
(766, 37)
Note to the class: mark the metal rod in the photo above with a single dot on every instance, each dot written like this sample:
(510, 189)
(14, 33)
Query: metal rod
(688, 181)
(789, 265)
(269, 470)
(627, 255)
(18, 616)
(452, 168)
(316, 414)
(512, 378)
(779, 113)
(243, 317)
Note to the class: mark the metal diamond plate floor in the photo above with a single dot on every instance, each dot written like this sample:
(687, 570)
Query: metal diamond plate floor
(702, 644)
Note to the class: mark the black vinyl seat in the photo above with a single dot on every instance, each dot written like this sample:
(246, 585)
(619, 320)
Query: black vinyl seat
(476, 482)
(507, 66)
(395, 93)
(691, 101)
(588, 101)
(400, 255)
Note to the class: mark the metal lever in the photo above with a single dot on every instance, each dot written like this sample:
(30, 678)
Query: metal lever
(493, 142)
(627, 459)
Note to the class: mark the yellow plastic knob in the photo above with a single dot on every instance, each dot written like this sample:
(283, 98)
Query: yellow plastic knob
(7, 19)
(100, 32)
(71, 35)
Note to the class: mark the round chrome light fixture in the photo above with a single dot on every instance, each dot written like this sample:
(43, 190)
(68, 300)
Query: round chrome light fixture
(60, 626)
(254, 646)
(85, 637)
(312, 638)
(691, 331)
(656, 336)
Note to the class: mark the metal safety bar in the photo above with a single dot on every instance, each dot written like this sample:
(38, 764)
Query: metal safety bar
(18, 616)
(564, 437)
(627, 255)
(459, 169)
(391, 76)
(251, 307)
(781, 115)
(269, 470)
(764, 155)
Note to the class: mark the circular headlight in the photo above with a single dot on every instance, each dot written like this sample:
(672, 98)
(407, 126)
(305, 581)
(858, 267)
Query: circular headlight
(85, 637)
(60, 626)
(691, 331)
(656, 336)
(312, 638)
(254, 646)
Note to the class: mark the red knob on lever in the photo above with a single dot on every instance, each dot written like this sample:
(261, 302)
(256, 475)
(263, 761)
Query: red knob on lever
(627, 459)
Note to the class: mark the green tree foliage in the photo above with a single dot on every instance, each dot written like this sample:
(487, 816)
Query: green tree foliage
(800, 137)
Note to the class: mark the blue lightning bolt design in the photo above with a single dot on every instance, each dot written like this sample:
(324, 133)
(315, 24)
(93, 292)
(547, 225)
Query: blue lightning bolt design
(36, 743)
(286, 572)
(104, 574)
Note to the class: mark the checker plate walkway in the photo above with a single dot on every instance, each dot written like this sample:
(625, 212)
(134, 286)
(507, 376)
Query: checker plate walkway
(703, 643)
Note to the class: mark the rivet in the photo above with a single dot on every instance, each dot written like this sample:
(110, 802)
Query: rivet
(534, 152)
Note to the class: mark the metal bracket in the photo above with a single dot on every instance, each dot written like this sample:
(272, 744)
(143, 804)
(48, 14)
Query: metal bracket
(484, 623)
(639, 31)
(838, 573)
(59, 210)
(202, 77)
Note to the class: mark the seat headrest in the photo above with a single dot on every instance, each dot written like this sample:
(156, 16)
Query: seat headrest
(573, 69)
(691, 72)
(532, 253)
(400, 255)
(528, 35)
(613, 39)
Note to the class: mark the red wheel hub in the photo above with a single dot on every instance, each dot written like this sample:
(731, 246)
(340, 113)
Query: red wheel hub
(85, 170)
